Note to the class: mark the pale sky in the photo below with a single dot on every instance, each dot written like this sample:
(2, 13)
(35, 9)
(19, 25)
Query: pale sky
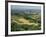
(25, 7)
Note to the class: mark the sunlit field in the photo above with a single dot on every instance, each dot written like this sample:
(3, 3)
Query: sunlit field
(21, 21)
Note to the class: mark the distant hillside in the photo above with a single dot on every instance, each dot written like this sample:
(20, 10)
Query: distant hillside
(27, 11)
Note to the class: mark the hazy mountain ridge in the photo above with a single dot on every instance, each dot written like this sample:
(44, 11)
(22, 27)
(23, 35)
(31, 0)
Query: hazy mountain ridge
(27, 11)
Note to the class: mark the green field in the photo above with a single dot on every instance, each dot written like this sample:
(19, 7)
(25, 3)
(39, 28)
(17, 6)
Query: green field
(25, 22)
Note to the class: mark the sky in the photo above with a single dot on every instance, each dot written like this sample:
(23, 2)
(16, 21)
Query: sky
(25, 7)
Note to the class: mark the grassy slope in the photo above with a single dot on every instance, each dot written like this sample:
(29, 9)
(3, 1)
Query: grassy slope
(19, 23)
